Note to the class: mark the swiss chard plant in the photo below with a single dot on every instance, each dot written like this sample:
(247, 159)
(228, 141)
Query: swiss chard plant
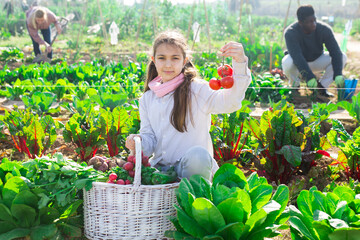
(23, 213)
(31, 134)
(332, 215)
(349, 155)
(285, 144)
(233, 207)
(117, 123)
(229, 136)
(86, 131)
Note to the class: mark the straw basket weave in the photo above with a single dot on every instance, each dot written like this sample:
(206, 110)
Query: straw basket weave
(134, 211)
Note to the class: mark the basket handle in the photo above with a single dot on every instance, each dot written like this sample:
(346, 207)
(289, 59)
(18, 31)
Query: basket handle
(138, 162)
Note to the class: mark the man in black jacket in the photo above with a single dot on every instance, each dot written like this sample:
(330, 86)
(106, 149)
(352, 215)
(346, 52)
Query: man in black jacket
(305, 41)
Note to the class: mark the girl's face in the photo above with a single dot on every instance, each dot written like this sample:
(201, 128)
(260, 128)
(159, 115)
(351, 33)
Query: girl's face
(39, 20)
(169, 61)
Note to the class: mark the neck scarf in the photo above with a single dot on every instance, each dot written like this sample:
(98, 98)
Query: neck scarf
(161, 89)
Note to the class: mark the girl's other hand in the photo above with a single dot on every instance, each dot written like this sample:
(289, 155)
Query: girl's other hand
(234, 50)
(130, 142)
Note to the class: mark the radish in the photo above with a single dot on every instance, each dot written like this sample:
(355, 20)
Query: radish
(131, 158)
(127, 182)
(128, 166)
(109, 181)
(131, 173)
(145, 160)
(112, 177)
(120, 182)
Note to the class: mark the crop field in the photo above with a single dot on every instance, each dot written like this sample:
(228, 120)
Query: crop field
(289, 158)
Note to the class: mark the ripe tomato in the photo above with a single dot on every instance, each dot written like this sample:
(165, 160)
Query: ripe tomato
(214, 84)
(225, 70)
(227, 82)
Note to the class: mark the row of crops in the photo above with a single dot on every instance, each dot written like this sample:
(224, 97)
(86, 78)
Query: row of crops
(94, 106)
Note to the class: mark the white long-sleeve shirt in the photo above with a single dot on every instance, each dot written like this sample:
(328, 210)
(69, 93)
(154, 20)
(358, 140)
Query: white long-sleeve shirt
(159, 137)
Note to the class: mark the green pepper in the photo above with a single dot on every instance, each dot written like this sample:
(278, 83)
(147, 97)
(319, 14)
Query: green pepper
(169, 176)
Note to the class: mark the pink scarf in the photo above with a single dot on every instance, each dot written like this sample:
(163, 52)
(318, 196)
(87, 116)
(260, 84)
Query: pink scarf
(161, 89)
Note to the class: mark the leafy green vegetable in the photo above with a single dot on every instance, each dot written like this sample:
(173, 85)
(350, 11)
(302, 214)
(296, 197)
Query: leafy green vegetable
(233, 207)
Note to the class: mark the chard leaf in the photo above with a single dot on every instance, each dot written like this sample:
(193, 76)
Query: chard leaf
(232, 231)
(24, 214)
(332, 200)
(182, 195)
(323, 229)
(260, 195)
(220, 193)
(189, 224)
(230, 176)
(5, 213)
(304, 202)
(232, 210)
(70, 230)
(6, 226)
(48, 215)
(344, 193)
(11, 188)
(296, 223)
(26, 197)
(71, 210)
(43, 231)
(15, 233)
(319, 201)
(207, 215)
(292, 154)
(345, 234)
(256, 219)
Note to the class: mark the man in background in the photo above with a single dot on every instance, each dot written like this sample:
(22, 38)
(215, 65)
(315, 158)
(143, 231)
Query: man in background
(305, 40)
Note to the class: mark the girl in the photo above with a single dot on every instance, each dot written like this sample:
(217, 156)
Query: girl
(176, 108)
(41, 18)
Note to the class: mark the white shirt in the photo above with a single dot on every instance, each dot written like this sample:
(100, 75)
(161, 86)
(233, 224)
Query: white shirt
(168, 145)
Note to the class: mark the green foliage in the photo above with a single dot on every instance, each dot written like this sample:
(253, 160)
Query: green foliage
(332, 215)
(349, 156)
(353, 107)
(30, 133)
(229, 136)
(233, 207)
(25, 211)
(284, 142)
(12, 54)
(40, 103)
(85, 131)
(266, 88)
(117, 124)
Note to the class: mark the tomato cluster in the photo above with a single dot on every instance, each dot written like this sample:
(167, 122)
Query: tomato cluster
(227, 81)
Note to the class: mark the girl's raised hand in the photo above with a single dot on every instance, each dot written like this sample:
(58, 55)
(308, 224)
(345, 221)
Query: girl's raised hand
(234, 50)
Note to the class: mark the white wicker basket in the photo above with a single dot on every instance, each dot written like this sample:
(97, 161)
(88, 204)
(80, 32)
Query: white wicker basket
(133, 211)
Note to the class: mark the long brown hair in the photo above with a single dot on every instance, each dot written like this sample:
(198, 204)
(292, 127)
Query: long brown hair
(182, 94)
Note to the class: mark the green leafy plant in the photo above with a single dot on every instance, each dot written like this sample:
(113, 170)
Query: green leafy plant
(17, 90)
(233, 207)
(11, 54)
(285, 142)
(353, 107)
(86, 131)
(349, 155)
(23, 213)
(228, 135)
(31, 134)
(332, 215)
(40, 103)
(117, 124)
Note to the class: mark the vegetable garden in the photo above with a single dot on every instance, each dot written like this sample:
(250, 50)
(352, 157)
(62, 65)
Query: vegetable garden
(289, 172)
